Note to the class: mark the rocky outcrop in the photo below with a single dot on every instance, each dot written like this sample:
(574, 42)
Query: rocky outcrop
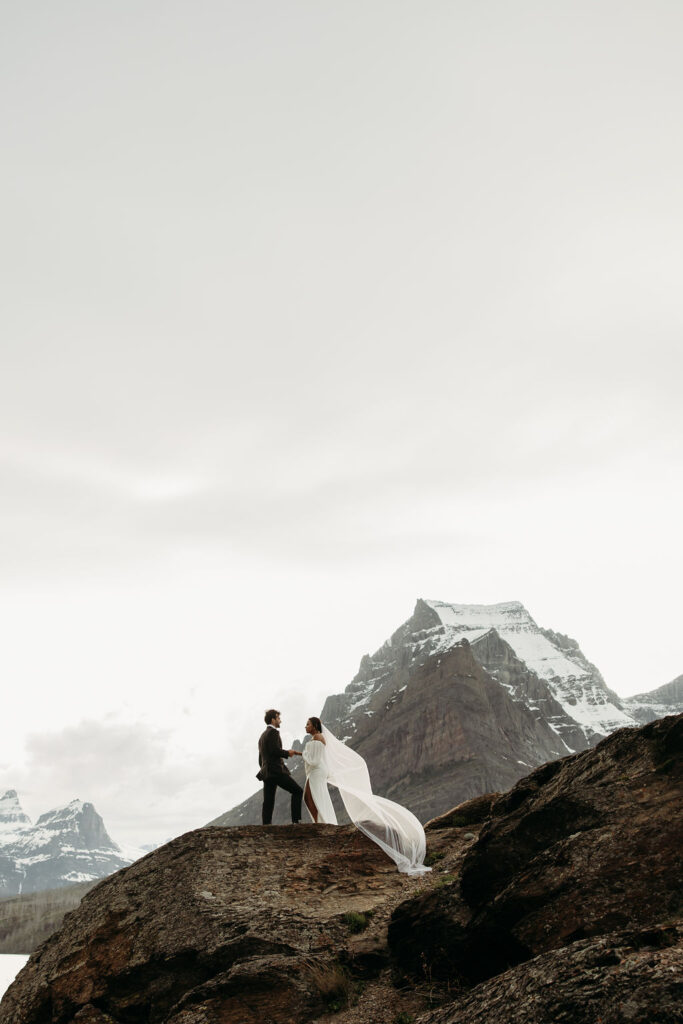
(241, 925)
(558, 901)
(581, 847)
(470, 812)
(65, 846)
(632, 977)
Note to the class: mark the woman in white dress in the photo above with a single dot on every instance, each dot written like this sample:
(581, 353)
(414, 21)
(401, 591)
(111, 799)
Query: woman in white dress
(316, 793)
(393, 827)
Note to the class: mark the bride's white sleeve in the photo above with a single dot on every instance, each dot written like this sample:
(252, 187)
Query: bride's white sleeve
(313, 753)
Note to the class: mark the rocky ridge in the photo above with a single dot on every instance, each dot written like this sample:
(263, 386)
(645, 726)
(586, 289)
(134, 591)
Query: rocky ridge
(558, 900)
(66, 845)
(646, 707)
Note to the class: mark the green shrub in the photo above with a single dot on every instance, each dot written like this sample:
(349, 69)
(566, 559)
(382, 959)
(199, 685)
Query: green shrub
(433, 856)
(357, 922)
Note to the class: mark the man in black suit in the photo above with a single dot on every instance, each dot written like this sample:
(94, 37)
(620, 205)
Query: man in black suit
(273, 771)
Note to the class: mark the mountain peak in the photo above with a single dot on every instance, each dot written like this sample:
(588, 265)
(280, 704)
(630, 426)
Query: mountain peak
(67, 844)
(575, 683)
(11, 811)
(62, 813)
(470, 616)
(499, 605)
(81, 819)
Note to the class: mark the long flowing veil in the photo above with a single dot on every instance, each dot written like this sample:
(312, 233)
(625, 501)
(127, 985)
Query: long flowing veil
(394, 828)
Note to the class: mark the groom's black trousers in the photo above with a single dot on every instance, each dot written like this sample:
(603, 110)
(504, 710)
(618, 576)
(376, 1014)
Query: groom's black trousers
(286, 782)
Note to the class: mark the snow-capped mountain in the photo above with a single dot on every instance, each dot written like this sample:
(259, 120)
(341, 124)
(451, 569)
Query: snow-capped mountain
(66, 845)
(11, 812)
(553, 679)
(556, 659)
(467, 698)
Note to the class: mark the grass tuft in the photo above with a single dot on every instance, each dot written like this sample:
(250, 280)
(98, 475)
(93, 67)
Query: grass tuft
(332, 983)
(357, 922)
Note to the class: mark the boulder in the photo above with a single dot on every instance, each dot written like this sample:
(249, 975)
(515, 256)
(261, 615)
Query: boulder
(623, 978)
(228, 925)
(582, 847)
(470, 812)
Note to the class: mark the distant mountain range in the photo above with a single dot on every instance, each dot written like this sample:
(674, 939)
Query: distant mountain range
(466, 699)
(65, 846)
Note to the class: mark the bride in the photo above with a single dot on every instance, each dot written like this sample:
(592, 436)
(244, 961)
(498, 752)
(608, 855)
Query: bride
(394, 828)
(316, 793)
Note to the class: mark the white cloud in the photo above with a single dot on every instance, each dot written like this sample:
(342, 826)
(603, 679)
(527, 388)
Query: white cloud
(140, 779)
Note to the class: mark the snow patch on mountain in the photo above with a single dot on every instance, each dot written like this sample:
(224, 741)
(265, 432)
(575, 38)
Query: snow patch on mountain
(579, 690)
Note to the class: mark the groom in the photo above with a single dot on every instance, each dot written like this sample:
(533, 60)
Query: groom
(272, 769)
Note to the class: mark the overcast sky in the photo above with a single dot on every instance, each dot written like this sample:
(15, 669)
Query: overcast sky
(309, 310)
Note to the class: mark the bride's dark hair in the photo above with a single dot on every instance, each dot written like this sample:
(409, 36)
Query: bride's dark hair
(316, 723)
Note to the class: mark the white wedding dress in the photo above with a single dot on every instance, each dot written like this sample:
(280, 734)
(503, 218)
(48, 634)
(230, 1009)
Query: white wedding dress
(394, 828)
(315, 765)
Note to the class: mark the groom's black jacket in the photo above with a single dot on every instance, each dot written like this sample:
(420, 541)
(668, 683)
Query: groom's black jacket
(270, 754)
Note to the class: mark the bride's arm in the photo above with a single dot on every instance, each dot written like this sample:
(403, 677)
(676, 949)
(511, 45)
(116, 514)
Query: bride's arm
(313, 752)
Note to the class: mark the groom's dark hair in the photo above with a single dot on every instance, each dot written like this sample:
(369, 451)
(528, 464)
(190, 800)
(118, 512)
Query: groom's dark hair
(270, 715)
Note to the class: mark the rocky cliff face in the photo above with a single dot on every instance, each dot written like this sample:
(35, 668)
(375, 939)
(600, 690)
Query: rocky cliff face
(581, 847)
(559, 900)
(466, 698)
(66, 845)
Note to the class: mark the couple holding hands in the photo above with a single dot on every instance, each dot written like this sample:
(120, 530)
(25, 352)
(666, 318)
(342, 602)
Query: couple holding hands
(328, 761)
(274, 773)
